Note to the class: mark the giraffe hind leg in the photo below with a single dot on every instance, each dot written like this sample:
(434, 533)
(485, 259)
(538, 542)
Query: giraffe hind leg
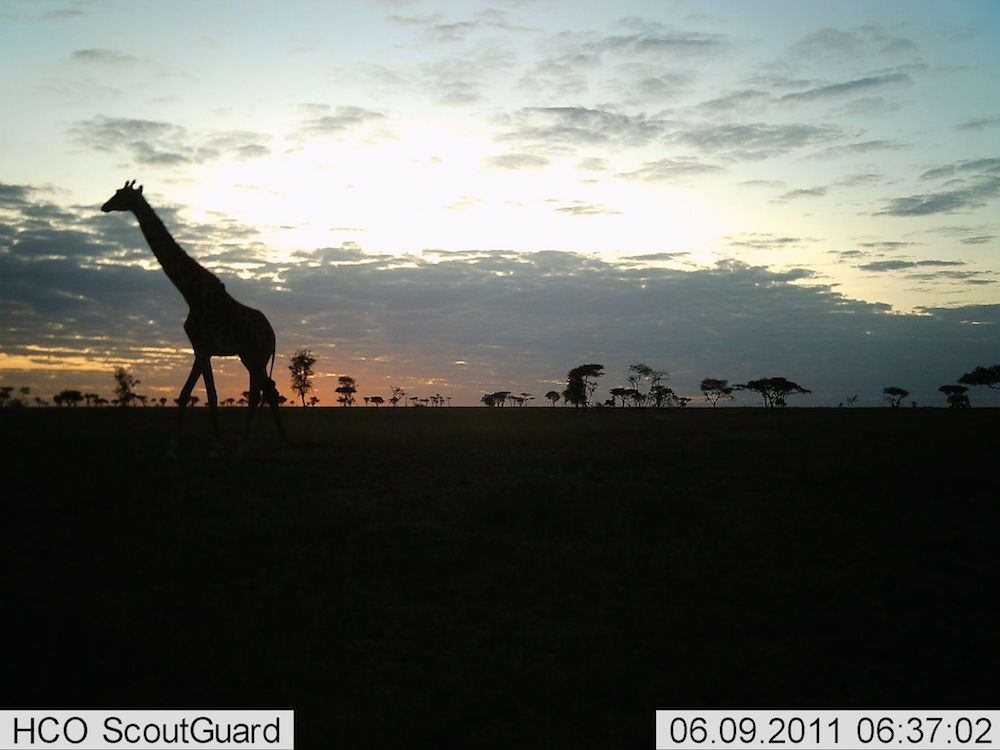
(182, 400)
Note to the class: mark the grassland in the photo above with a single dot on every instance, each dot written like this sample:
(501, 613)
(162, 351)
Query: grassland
(501, 578)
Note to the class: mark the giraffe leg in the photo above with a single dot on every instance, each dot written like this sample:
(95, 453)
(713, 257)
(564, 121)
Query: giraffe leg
(256, 385)
(271, 394)
(196, 370)
(213, 402)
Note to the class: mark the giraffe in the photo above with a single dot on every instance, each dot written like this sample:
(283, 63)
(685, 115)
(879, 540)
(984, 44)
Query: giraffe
(217, 325)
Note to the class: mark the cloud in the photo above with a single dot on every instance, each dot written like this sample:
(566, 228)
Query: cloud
(753, 141)
(580, 126)
(735, 100)
(672, 170)
(974, 183)
(980, 123)
(666, 44)
(163, 143)
(765, 241)
(839, 45)
(899, 265)
(581, 208)
(847, 88)
(343, 119)
(982, 166)
(637, 60)
(102, 57)
(861, 147)
(60, 14)
(944, 202)
(518, 161)
(593, 164)
(889, 245)
(14, 195)
(436, 30)
(791, 195)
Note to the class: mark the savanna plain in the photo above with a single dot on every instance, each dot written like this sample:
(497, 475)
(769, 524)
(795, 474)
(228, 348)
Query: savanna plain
(534, 577)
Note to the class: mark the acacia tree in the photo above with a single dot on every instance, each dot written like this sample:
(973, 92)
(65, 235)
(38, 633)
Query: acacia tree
(716, 390)
(346, 389)
(988, 376)
(956, 395)
(640, 373)
(773, 391)
(70, 398)
(618, 392)
(662, 396)
(125, 383)
(581, 382)
(895, 395)
(552, 396)
(301, 366)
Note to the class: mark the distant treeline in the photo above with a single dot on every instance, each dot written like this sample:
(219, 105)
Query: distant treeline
(646, 388)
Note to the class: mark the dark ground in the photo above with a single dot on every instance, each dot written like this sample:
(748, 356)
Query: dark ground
(501, 578)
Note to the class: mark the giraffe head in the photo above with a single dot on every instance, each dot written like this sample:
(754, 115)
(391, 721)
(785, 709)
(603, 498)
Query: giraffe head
(126, 198)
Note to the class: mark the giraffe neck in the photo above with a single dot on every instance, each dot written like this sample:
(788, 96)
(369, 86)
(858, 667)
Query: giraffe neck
(191, 278)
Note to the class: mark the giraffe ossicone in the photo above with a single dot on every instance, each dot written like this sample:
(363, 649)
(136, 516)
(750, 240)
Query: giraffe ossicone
(217, 325)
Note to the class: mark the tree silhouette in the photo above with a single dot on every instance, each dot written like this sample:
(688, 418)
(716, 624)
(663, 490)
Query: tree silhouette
(313, 400)
(642, 373)
(895, 395)
(988, 376)
(773, 391)
(301, 366)
(397, 395)
(69, 398)
(716, 390)
(377, 400)
(346, 389)
(662, 396)
(125, 383)
(581, 384)
(5, 392)
(618, 392)
(552, 396)
(956, 395)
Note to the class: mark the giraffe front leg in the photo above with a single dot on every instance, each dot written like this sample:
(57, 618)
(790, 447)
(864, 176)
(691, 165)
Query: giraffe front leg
(213, 402)
(256, 386)
(182, 400)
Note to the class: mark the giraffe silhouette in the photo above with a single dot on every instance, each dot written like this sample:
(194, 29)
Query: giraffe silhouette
(217, 325)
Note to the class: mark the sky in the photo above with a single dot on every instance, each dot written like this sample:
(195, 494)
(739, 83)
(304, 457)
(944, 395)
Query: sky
(459, 198)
